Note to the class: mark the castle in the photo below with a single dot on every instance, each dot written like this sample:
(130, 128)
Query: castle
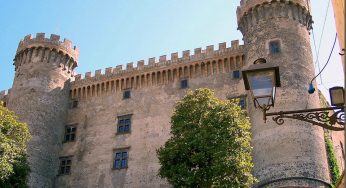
(103, 130)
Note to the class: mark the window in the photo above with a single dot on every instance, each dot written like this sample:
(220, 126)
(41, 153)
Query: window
(183, 84)
(120, 159)
(242, 103)
(236, 74)
(126, 94)
(65, 165)
(274, 47)
(70, 133)
(124, 124)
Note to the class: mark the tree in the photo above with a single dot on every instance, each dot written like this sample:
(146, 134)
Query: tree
(210, 144)
(14, 136)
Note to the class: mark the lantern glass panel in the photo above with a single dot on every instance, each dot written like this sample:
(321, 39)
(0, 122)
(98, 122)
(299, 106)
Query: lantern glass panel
(261, 82)
(337, 96)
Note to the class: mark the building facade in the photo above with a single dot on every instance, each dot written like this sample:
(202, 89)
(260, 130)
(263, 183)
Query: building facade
(103, 130)
(339, 16)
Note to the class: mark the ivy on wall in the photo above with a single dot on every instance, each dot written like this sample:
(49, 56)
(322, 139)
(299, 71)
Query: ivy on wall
(333, 163)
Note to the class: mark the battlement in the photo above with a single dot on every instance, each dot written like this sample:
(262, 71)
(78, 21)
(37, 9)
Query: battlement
(247, 5)
(53, 42)
(152, 63)
(203, 63)
(252, 12)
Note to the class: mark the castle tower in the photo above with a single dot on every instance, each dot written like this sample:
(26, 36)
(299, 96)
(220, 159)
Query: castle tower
(39, 96)
(293, 154)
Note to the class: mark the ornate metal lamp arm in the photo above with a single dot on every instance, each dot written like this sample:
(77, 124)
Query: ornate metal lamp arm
(319, 116)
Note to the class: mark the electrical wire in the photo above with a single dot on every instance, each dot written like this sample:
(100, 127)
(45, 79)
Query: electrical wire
(320, 42)
(330, 55)
(317, 52)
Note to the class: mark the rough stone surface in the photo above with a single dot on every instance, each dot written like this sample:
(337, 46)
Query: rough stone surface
(40, 98)
(290, 155)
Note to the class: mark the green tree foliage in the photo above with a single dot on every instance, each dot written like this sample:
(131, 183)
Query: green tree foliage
(18, 179)
(14, 136)
(210, 144)
(332, 161)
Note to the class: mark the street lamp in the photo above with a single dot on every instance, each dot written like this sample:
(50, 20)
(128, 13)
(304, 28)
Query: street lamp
(262, 78)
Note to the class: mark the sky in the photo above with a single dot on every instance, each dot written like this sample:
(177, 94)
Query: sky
(116, 32)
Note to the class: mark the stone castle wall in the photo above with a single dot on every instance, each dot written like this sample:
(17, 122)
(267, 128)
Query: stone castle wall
(297, 151)
(39, 96)
(150, 105)
(45, 88)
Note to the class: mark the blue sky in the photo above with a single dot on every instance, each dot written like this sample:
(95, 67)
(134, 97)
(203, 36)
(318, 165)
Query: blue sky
(114, 32)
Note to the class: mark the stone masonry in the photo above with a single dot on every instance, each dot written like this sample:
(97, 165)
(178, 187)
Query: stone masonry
(50, 97)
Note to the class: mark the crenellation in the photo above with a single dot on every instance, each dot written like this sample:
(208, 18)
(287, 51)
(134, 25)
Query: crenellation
(140, 64)
(186, 54)
(164, 63)
(45, 97)
(247, 5)
(129, 66)
(67, 43)
(264, 10)
(198, 51)
(26, 38)
(210, 49)
(40, 36)
(109, 71)
(174, 56)
(98, 73)
(288, 21)
(51, 43)
(222, 46)
(151, 61)
(87, 75)
(235, 44)
(119, 67)
(78, 77)
(162, 58)
(54, 38)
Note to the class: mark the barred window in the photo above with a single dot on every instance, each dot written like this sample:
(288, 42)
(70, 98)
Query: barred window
(274, 47)
(184, 84)
(242, 102)
(120, 159)
(70, 133)
(65, 165)
(124, 124)
(236, 74)
(127, 94)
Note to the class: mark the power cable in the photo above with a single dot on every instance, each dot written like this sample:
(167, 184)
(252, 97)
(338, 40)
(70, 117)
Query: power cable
(311, 86)
(330, 55)
(317, 52)
(320, 42)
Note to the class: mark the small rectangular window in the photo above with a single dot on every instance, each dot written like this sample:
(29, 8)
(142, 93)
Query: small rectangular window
(274, 47)
(70, 133)
(124, 124)
(184, 84)
(120, 159)
(65, 165)
(242, 103)
(236, 74)
(127, 94)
